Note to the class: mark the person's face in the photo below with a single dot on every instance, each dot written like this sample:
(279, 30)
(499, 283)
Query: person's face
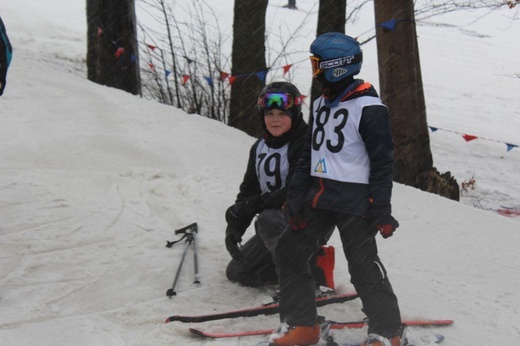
(277, 122)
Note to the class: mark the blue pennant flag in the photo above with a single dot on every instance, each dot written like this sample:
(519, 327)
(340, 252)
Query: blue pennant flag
(433, 129)
(389, 24)
(209, 80)
(167, 73)
(261, 75)
(511, 146)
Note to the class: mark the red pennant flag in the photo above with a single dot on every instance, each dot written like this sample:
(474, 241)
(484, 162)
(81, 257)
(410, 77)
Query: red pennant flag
(232, 79)
(286, 69)
(151, 67)
(223, 76)
(99, 31)
(300, 99)
(185, 79)
(469, 138)
(151, 47)
(120, 51)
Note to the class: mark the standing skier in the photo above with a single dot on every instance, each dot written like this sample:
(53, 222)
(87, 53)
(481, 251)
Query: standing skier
(6, 53)
(343, 179)
(271, 163)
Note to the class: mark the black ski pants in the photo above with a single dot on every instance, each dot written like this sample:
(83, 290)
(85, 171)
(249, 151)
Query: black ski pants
(368, 275)
(258, 265)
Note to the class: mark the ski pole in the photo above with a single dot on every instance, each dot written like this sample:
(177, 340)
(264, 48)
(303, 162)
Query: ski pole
(195, 261)
(171, 292)
(188, 232)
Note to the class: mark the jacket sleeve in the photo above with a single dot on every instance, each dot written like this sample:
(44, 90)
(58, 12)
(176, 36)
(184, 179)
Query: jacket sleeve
(376, 132)
(301, 179)
(6, 51)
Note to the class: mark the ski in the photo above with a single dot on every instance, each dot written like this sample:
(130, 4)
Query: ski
(428, 339)
(334, 325)
(259, 310)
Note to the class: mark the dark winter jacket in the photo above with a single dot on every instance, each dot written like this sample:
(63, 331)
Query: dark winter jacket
(6, 52)
(250, 185)
(372, 199)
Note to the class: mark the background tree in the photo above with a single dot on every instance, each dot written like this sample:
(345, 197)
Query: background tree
(112, 52)
(401, 90)
(291, 4)
(331, 17)
(247, 58)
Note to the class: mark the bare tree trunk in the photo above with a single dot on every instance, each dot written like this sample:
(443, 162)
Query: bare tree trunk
(112, 52)
(331, 18)
(291, 4)
(248, 58)
(401, 90)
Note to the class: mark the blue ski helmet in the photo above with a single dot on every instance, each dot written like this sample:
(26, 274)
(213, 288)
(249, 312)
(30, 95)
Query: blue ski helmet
(336, 56)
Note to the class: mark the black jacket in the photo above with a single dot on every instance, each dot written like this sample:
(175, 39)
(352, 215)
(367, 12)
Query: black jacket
(250, 185)
(371, 199)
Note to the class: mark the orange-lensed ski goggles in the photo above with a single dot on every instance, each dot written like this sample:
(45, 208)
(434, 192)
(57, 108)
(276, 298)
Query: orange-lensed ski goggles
(318, 65)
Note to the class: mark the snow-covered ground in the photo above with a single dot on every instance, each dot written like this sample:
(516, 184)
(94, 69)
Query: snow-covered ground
(94, 181)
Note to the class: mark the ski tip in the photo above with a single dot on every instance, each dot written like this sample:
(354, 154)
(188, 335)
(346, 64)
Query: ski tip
(196, 332)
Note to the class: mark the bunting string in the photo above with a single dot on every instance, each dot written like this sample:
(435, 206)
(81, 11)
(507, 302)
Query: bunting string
(389, 25)
(468, 137)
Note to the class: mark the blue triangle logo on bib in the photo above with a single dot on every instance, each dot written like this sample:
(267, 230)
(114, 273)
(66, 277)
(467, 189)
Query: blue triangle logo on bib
(321, 167)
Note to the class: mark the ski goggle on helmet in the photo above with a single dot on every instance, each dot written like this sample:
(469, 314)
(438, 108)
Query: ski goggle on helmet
(277, 100)
(319, 65)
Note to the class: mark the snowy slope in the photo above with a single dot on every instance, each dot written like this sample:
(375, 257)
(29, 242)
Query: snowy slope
(94, 181)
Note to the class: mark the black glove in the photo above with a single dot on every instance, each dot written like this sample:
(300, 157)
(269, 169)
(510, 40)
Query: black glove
(243, 210)
(233, 239)
(294, 215)
(239, 217)
(386, 225)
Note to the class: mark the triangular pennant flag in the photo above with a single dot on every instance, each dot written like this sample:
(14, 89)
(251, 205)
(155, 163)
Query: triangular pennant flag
(511, 146)
(469, 138)
(389, 24)
(185, 78)
(261, 75)
(232, 79)
(120, 51)
(433, 129)
(223, 76)
(286, 69)
(151, 47)
(133, 58)
(188, 59)
(167, 73)
(209, 80)
(151, 67)
(99, 31)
